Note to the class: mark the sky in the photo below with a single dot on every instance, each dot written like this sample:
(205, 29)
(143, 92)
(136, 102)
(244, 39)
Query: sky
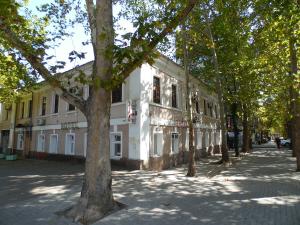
(74, 43)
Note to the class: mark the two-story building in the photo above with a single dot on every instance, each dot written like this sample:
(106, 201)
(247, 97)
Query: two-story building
(148, 120)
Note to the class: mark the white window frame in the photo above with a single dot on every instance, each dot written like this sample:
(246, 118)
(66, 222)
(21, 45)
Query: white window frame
(86, 92)
(20, 141)
(160, 142)
(41, 144)
(174, 143)
(51, 144)
(67, 148)
(112, 145)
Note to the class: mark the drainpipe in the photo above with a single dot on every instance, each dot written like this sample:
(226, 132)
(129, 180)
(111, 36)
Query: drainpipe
(12, 128)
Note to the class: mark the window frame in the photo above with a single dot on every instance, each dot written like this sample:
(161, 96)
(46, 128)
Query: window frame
(50, 144)
(38, 149)
(113, 142)
(53, 108)
(174, 102)
(67, 152)
(156, 92)
(159, 149)
(173, 149)
(122, 94)
(19, 146)
(43, 106)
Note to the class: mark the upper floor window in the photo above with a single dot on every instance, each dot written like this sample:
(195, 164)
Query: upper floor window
(197, 105)
(44, 103)
(71, 107)
(55, 103)
(116, 94)
(174, 96)
(30, 108)
(210, 107)
(22, 110)
(156, 90)
(205, 107)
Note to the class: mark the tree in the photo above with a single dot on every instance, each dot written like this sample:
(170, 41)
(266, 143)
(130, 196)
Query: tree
(29, 41)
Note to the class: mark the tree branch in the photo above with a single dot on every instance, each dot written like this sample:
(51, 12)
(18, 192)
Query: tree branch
(35, 61)
(169, 27)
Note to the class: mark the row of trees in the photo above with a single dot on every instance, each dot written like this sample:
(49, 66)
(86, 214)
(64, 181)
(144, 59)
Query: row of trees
(245, 50)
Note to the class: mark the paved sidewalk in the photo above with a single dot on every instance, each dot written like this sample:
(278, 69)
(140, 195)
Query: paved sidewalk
(262, 188)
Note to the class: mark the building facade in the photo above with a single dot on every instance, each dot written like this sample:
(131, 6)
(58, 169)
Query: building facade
(148, 120)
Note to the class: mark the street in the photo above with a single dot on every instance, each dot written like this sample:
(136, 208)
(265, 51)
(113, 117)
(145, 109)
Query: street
(261, 188)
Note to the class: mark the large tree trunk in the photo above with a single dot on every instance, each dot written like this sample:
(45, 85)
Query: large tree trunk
(96, 198)
(246, 133)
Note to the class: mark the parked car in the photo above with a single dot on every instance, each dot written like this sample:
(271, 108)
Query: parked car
(285, 142)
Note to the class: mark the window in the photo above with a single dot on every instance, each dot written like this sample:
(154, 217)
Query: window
(53, 143)
(41, 143)
(22, 110)
(70, 144)
(199, 139)
(71, 107)
(116, 95)
(156, 90)
(187, 140)
(44, 103)
(205, 107)
(116, 144)
(174, 96)
(55, 103)
(210, 107)
(216, 111)
(20, 142)
(197, 106)
(157, 143)
(30, 108)
(174, 147)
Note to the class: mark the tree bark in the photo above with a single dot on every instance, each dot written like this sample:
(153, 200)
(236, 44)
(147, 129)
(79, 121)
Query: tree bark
(219, 88)
(246, 133)
(295, 102)
(96, 198)
(235, 129)
(191, 164)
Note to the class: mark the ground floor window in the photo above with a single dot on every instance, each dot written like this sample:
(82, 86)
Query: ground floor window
(53, 143)
(20, 142)
(175, 143)
(116, 144)
(187, 140)
(41, 143)
(199, 139)
(70, 144)
(157, 143)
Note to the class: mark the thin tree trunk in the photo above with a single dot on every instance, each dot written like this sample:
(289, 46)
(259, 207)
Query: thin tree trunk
(246, 133)
(235, 129)
(295, 103)
(219, 88)
(191, 164)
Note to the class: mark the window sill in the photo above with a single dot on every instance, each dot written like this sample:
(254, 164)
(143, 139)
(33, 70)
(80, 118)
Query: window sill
(117, 103)
(166, 107)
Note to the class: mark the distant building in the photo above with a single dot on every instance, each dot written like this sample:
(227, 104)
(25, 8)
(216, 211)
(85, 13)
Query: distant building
(148, 120)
